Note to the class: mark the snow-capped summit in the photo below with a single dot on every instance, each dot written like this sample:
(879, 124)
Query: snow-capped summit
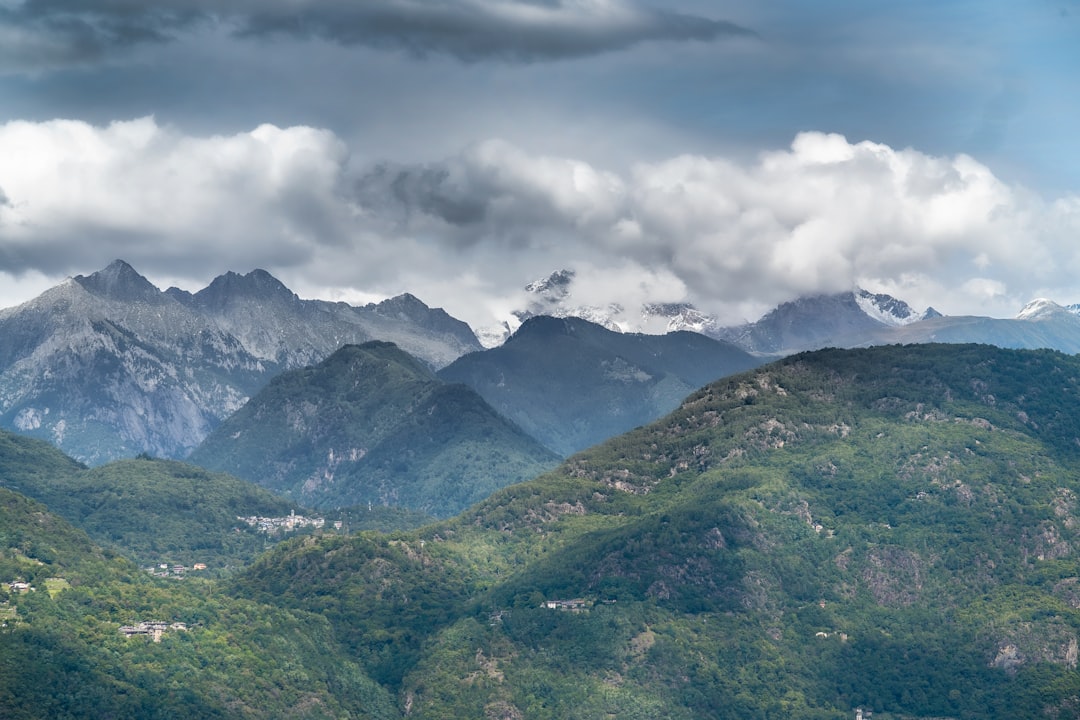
(809, 321)
(888, 310)
(1040, 309)
(553, 295)
(555, 286)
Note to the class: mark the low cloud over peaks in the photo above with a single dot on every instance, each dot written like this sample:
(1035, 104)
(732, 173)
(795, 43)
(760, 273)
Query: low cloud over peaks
(822, 216)
(468, 231)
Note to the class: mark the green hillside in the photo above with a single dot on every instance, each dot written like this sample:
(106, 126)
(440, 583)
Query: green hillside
(895, 529)
(154, 511)
(372, 425)
(63, 653)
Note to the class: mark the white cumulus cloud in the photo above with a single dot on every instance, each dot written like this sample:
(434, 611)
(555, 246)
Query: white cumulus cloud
(468, 231)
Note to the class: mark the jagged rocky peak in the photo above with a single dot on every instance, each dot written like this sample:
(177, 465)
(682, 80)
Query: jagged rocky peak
(555, 286)
(405, 305)
(552, 296)
(257, 284)
(120, 281)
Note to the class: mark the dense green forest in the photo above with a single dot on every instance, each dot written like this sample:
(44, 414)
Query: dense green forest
(894, 529)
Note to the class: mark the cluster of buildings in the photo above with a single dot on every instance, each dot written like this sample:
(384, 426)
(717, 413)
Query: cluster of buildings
(153, 629)
(275, 525)
(19, 586)
(574, 604)
(173, 571)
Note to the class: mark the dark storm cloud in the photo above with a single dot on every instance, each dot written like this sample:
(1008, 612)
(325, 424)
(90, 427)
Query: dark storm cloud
(399, 191)
(44, 33)
(492, 192)
(474, 30)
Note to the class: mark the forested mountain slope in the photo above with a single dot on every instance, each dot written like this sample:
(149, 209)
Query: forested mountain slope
(371, 424)
(895, 529)
(153, 511)
(75, 640)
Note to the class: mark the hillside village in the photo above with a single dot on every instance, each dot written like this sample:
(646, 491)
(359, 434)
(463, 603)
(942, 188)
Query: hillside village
(277, 525)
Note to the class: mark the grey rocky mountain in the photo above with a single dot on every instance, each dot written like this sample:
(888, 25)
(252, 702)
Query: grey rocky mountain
(847, 319)
(108, 366)
(571, 383)
(843, 320)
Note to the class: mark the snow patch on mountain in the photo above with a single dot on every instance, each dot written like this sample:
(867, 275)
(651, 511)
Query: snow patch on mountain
(680, 317)
(888, 310)
(555, 286)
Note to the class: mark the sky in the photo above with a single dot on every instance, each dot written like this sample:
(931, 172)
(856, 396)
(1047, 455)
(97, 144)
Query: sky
(732, 154)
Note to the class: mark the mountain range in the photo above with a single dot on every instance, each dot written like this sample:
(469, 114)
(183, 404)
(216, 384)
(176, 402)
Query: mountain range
(857, 318)
(107, 366)
(895, 529)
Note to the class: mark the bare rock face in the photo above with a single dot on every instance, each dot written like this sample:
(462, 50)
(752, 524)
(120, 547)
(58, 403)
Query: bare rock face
(894, 576)
(1049, 641)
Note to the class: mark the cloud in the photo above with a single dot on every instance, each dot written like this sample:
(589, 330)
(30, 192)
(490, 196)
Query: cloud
(77, 193)
(45, 34)
(38, 34)
(822, 216)
(467, 232)
(495, 193)
(519, 30)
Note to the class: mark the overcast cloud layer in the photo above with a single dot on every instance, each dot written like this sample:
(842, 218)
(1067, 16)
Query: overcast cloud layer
(48, 33)
(823, 215)
(729, 153)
